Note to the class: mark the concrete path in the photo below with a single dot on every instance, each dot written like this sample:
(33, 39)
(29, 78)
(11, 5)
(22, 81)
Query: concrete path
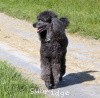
(19, 45)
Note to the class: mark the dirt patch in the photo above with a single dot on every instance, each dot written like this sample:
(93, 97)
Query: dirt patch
(19, 42)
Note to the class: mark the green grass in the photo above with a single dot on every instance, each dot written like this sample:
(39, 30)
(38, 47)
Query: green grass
(13, 85)
(84, 15)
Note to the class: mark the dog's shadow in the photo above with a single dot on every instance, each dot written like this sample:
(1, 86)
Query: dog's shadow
(76, 78)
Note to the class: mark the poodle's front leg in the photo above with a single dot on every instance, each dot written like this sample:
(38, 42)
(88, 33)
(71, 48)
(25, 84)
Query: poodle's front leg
(46, 72)
(56, 67)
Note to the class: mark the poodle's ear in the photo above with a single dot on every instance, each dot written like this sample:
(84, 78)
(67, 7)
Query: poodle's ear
(65, 21)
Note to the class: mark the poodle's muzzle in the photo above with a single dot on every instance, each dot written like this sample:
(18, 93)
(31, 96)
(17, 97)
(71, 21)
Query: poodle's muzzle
(40, 25)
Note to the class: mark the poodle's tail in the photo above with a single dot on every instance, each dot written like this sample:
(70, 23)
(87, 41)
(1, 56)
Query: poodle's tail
(65, 21)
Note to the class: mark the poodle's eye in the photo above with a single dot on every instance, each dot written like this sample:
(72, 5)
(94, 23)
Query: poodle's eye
(39, 19)
(48, 20)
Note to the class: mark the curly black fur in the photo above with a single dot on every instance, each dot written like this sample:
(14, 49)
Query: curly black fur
(54, 42)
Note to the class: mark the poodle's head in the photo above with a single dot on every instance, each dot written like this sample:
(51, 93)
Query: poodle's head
(44, 20)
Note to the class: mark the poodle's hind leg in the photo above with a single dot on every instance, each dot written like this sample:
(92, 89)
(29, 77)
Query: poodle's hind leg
(63, 67)
(62, 72)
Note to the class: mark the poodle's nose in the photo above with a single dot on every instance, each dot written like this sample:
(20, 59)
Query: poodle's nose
(34, 25)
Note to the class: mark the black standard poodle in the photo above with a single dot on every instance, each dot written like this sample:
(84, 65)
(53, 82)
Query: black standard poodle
(54, 42)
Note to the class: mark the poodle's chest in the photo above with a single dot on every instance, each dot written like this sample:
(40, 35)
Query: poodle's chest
(51, 46)
(50, 49)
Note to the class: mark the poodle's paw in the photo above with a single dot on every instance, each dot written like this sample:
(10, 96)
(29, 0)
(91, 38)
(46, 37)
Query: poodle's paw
(60, 79)
(48, 85)
(54, 87)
